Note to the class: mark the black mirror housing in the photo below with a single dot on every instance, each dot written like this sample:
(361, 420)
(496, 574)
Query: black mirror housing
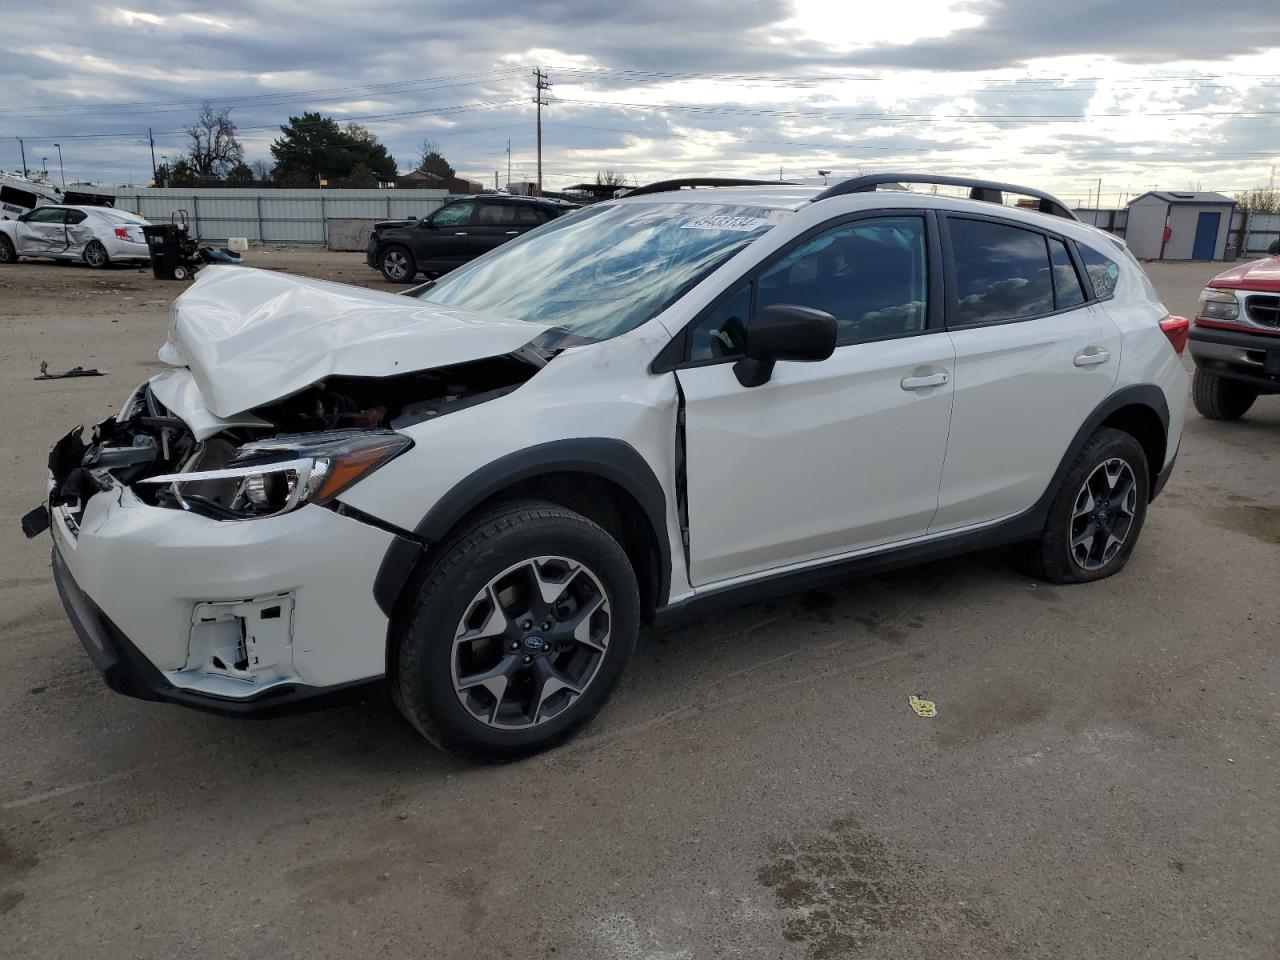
(784, 331)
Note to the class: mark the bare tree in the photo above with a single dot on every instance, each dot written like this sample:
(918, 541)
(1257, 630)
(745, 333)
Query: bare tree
(1259, 200)
(611, 178)
(431, 160)
(214, 147)
(263, 172)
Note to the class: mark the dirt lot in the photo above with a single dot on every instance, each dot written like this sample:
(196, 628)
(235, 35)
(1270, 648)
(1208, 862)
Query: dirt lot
(1100, 780)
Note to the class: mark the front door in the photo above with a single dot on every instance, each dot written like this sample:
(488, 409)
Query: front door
(830, 457)
(43, 233)
(1034, 357)
(1206, 241)
(443, 241)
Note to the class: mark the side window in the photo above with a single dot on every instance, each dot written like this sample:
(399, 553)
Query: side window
(19, 198)
(527, 215)
(497, 215)
(1067, 291)
(76, 216)
(871, 275)
(1002, 272)
(1103, 271)
(454, 214)
(719, 334)
(47, 215)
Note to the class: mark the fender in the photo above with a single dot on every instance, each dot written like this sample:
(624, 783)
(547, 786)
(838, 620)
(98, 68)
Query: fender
(613, 460)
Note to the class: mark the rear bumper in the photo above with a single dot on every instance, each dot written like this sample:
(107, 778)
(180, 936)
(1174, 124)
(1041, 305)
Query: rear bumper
(1252, 358)
(126, 671)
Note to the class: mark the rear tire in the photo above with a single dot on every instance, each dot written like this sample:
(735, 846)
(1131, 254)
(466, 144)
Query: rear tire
(1220, 398)
(95, 255)
(396, 264)
(1102, 497)
(7, 253)
(539, 668)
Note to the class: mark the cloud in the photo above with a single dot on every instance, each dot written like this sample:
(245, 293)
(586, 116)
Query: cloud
(656, 88)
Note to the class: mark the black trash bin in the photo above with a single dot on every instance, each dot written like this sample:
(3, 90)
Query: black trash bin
(164, 240)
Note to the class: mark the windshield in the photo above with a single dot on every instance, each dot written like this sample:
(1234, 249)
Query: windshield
(607, 269)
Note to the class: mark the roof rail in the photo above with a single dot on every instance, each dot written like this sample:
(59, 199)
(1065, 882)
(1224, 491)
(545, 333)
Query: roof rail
(664, 186)
(988, 190)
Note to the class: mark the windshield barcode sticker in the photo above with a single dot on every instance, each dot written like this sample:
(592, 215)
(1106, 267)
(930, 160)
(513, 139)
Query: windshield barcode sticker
(726, 222)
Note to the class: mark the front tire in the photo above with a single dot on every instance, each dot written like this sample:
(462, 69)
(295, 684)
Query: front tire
(1097, 514)
(396, 264)
(517, 634)
(95, 255)
(1219, 398)
(7, 253)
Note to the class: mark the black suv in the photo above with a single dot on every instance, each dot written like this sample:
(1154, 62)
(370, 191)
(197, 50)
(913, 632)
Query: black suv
(459, 231)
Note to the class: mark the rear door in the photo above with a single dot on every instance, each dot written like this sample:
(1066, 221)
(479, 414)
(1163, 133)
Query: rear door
(43, 233)
(1035, 355)
(496, 222)
(827, 457)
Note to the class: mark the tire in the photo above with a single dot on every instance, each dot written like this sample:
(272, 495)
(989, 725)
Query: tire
(396, 264)
(7, 253)
(497, 563)
(1220, 398)
(95, 255)
(179, 273)
(1065, 551)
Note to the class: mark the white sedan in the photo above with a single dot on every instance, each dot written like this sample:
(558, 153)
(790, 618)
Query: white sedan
(97, 235)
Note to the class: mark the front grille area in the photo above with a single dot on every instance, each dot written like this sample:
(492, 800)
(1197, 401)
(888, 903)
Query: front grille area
(1264, 310)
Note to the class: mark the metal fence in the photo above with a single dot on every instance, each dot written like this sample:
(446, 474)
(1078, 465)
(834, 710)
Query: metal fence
(1250, 234)
(274, 216)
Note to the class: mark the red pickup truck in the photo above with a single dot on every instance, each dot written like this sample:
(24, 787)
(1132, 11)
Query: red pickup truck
(1235, 339)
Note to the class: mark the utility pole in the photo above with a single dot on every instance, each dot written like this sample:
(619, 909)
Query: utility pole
(152, 141)
(1099, 193)
(541, 84)
(61, 169)
(23, 148)
(508, 163)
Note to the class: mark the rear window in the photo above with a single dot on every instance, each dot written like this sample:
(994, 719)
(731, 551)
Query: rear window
(1002, 272)
(19, 198)
(1103, 272)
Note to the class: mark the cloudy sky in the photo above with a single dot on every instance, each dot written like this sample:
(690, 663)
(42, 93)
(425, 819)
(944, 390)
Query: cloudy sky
(1055, 93)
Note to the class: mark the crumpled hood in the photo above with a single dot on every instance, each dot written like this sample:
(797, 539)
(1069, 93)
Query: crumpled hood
(1261, 275)
(251, 337)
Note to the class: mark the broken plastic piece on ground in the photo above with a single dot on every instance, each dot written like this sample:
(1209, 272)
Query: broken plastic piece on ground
(923, 708)
(36, 522)
(73, 372)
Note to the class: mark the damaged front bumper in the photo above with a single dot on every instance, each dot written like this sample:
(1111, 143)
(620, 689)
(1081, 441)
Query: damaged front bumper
(254, 617)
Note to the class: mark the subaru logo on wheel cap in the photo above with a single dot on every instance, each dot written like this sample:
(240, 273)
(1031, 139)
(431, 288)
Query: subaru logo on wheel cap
(534, 643)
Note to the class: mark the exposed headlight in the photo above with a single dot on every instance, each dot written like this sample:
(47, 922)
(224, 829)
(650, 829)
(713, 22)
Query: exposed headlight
(1218, 305)
(270, 477)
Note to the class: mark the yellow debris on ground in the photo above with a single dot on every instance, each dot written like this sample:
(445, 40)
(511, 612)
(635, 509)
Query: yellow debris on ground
(924, 708)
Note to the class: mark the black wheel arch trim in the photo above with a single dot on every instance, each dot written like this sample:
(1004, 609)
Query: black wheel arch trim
(610, 459)
(1140, 395)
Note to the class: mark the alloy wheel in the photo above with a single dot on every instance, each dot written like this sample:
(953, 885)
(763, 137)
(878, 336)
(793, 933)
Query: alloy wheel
(396, 264)
(95, 254)
(530, 643)
(1103, 514)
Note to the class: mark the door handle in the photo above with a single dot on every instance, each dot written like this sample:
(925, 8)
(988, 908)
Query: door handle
(461, 233)
(920, 383)
(1091, 356)
(512, 233)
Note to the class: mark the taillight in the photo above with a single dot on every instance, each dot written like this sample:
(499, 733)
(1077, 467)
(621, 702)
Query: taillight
(1177, 329)
(123, 233)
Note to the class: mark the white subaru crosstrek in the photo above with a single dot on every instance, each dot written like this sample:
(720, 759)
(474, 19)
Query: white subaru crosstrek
(477, 492)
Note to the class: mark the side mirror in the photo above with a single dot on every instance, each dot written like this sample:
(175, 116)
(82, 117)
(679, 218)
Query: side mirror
(784, 331)
(23, 217)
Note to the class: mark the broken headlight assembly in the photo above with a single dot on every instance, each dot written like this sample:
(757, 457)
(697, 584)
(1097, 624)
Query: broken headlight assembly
(265, 478)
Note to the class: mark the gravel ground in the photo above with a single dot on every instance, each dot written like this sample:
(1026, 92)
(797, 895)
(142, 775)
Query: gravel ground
(1100, 780)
